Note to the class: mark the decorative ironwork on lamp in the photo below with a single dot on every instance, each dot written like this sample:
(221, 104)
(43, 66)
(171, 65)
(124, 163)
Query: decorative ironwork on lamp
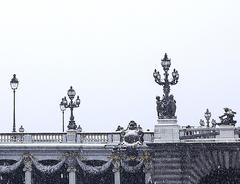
(71, 105)
(166, 107)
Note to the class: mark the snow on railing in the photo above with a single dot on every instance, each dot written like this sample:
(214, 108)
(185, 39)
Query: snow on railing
(78, 137)
(47, 137)
(94, 137)
(190, 132)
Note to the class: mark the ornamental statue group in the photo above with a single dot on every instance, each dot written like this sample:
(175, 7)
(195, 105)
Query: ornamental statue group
(166, 106)
(227, 117)
(132, 136)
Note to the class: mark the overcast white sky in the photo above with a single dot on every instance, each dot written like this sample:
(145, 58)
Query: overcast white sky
(108, 50)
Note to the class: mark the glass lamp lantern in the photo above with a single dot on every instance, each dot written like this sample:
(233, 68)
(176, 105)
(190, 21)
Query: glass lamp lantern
(14, 82)
(62, 106)
(78, 101)
(71, 93)
(166, 63)
(155, 73)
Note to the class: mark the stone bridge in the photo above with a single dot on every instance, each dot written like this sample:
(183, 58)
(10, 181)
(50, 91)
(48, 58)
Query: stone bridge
(171, 155)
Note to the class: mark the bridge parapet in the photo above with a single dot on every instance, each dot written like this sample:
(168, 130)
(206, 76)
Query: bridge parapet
(185, 133)
(221, 133)
(80, 138)
(197, 132)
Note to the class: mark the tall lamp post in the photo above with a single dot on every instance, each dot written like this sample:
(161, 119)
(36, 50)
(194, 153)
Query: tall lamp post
(71, 105)
(207, 115)
(63, 108)
(14, 85)
(166, 107)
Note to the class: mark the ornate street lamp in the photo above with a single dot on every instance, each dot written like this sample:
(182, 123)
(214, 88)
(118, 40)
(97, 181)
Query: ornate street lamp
(14, 85)
(166, 107)
(207, 115)
(63, 108)
(71, 94)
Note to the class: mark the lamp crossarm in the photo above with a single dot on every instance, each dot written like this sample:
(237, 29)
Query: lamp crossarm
(71, 105)
(160, 82)
(174, 82)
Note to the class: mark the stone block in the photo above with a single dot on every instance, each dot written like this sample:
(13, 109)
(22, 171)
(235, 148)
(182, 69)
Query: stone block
(226, 131)
(71, 136)
(166, 130)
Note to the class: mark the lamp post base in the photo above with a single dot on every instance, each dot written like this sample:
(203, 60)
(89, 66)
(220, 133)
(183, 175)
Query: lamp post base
(71, 136)
(166, 130)
(72, 125)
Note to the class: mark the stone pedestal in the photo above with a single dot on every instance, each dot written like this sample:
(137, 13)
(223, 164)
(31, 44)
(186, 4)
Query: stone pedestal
(166, 130)
(71, 136)
(226, 132)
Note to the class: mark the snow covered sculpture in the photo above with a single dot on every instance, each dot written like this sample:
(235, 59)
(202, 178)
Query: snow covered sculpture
(133, 135)
(227, 117)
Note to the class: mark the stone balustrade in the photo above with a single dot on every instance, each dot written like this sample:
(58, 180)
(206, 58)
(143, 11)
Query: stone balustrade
(185, 133)
(198, 132)
(82, 138)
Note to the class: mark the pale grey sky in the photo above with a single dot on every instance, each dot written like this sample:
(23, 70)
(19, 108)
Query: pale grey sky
(107, 50)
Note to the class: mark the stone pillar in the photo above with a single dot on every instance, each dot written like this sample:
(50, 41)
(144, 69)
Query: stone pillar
(116, 171)
(27, 138)
(116, 138)
(72, 175)
(148, 172)
(71, 136)
(166, 130)
(28, 170)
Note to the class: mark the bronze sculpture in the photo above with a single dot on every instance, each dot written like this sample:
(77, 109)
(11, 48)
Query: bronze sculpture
(227, 117)
(166, 108)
